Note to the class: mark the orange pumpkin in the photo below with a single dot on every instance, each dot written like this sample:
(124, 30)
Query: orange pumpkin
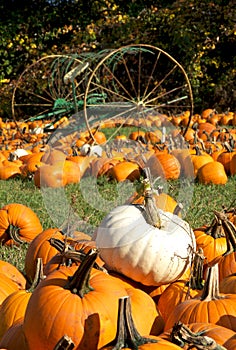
(228, 284)
(165, 165)
(13, 273)
(90, 301)
(125, 170)
(7, 286)
(225, 158)
(9, 170)
(58, 174)
(211, 239)
(18, 224)
(14, 337)
(40, 247)
(200, 335)
(227, 265)
(212, 173)
(127, 335)
(212, 306)
(233, 165)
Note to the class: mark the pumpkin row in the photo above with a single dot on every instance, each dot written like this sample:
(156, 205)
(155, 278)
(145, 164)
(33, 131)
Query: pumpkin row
(56, 167)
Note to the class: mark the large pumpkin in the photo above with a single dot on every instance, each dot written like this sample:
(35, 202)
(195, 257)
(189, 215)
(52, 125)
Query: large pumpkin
(82, 303)
(130, 245)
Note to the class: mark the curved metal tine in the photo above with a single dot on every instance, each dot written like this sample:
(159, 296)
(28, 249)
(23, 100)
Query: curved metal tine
(160, 82)
(73, 73)
(55, 88)
(60, 67)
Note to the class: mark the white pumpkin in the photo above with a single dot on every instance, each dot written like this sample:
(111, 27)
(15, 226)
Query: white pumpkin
(147, 254)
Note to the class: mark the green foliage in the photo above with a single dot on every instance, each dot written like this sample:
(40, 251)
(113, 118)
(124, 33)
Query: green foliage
(199, 34)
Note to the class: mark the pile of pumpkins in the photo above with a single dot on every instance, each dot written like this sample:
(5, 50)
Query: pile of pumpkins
(144, 280)
(206, 152)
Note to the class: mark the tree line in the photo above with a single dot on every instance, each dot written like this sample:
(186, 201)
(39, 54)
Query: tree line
(201, 35)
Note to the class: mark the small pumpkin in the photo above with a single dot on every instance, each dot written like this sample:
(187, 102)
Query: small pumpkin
(58, 174)
(13, 273)
(212, 173)
(226, 157)
(18, 224)
(9, 171)
(211, 239)
(200, 336)
(199, 159)
(165, 165)
(14, 305)
(126, 170)
(40, 247)
(212, 306)
(7, 286)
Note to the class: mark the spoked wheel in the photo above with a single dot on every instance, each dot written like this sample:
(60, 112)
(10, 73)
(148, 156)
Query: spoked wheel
(52, 86)
(136, 82)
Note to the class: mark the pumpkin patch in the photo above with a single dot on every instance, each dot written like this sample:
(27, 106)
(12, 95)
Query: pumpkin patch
(143, 277)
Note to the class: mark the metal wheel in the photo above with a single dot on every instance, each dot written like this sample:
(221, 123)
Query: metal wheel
(133, 82)
(52, 86)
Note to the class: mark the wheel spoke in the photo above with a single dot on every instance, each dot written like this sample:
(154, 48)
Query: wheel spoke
(109, 91)
(151, 75)
(166, 93)
(119, 83)
(145, 77)
(159, 83)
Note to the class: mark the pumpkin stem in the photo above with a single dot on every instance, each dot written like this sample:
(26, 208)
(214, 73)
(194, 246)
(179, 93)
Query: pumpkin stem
(13, 232)
(228, 147)
(65, 343)
(216, 229)
(197, 150)
(79, 282)
(127, 335)
(211, 287)
(230, 232)
(38, 277)
(178, 208)
(196, 279)
(151, 210)
(182, 336)
(69, 254)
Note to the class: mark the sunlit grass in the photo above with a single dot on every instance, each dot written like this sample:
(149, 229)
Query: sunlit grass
(71, 206)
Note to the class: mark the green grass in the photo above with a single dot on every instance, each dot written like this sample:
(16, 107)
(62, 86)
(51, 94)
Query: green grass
(70, 206)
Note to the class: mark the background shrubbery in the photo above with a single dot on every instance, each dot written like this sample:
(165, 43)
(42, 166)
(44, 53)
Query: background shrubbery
(201, 35)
